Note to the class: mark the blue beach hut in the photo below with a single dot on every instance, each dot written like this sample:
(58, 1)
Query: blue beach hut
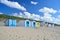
(33, 24)
(10, 22)
(14, 22)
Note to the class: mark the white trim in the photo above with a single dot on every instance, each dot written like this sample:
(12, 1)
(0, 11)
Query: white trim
(32, 23)
(26, 21)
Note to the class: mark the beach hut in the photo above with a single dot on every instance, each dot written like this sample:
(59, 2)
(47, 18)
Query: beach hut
(41, 23)
(50, 24)
(10, 22)
(24, 23)
(33, 24)
(45, 24)
(37, 24)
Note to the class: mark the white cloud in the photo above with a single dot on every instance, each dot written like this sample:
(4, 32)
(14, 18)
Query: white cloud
(27, 15)
(57, 20)
(15, 14)
(13, 4)
(47, 14)
(1, 13)
(47, 10)
(18, 14)
(35, 17)
(47, 17)
(51, 19)
(31, 16)
(32, 2)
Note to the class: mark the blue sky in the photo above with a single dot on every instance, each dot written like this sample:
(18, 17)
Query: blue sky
(46, 10)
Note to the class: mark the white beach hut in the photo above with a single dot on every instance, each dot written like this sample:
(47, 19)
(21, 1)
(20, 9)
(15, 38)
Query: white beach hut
(24, 23)
(50, 24)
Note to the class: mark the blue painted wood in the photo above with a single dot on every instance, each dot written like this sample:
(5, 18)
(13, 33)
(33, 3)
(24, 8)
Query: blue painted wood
(27, 24)
(14, 23)
(34, 24)
(11, 22)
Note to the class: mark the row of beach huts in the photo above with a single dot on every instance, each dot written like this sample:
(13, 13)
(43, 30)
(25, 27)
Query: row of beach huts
(26, 23)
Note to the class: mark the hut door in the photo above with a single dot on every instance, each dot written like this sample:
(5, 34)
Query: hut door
(27, 23)
(10, 23)
(14, 22)
(34, 24)
(37, 24)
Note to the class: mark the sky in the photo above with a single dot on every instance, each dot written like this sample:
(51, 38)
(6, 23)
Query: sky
(45, 10)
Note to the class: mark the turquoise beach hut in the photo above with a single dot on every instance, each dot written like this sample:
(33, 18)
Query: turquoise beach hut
(27, 23)
(10, 22)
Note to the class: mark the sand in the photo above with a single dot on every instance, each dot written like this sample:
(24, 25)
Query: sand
(22, 33)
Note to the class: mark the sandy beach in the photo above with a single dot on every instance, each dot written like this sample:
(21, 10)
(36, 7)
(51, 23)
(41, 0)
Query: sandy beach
(22, 33)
